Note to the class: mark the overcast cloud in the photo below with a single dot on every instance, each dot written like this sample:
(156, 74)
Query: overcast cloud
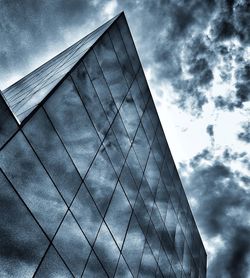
(196, 57)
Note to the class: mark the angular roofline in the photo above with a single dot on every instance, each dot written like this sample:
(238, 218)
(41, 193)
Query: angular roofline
(20, 123)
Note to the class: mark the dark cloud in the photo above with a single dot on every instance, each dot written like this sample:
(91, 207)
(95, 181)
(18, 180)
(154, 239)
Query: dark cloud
(174, 43)
(221, 211)
(245, 134)
(241, 92)
(210, 132)
(32, 30)
(172, 40)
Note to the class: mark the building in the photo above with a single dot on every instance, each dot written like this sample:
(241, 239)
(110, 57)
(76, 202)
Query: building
(88, 184)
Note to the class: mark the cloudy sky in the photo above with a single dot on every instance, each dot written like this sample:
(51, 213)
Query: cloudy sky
(196, 56)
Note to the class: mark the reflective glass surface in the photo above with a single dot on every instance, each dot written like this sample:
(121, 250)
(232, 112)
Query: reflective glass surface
(31, 181)
(7, 122)
(73, 125)
(89, 187)
(48, 146)
(22, 242)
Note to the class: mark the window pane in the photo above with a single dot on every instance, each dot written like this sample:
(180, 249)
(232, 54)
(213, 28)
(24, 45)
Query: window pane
(133, 246)
(141, 214)
(134, 167)
(101, 180)
(137, 97)
(142, 82)
(152, 174)
(72, 245)
(147, 195)
(122, 54)
(148, 263)
(53, 266)
(94, 268)
(153, 240)
(86, 213)
(118, 215)
(128, 41)
(147, 124)
(53, 155)
(32, 183)
(7, 123)
(122, 269)
(100, 85)
(121, 134)
(112, 146)
(90, 99)
(73, 125)
(128, 184)
(22, 242)
(129, 116)
(141, 146)
(111, 68)
(106, 250)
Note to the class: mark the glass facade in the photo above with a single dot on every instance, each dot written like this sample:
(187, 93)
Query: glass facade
(88, 184)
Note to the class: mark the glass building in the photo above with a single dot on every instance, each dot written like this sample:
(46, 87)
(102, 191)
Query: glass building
(88, 184)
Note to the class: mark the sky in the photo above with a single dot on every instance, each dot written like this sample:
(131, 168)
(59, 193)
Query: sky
(196, 57)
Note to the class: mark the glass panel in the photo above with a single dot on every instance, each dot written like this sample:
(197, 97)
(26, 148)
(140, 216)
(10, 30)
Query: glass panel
(121, 134)
(165, 265)
(32, 183)
(111, 68)
(162, 198)
(7, 122)
(141, 214)
(53, 266)
(158, 155)
(128, 184)
(187, 260)
(118, 215)
(100, 85)
(72, 245)
(179, 242)
(152, 173)
(142, 82)
(147, 124)
(86, 213)
(157, 221)
(128, 41)
(106, 250)
(134, 167)
(129, 115)
(168, 246)
(133, 246)
(101, 180)
(90, 99)
(112, 146)
(52, 154)
(148, 263)
(147, 195)
(159, 273)
(153, 240)
(161, 138)
(22, 243)
(137, 97)
(153, 113)
(141, 146)
(171, 221)
(122, 54)
(94, 268)
(73, 125)
(122, 269)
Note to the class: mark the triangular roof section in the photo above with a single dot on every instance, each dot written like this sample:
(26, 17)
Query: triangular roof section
(24, 96)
